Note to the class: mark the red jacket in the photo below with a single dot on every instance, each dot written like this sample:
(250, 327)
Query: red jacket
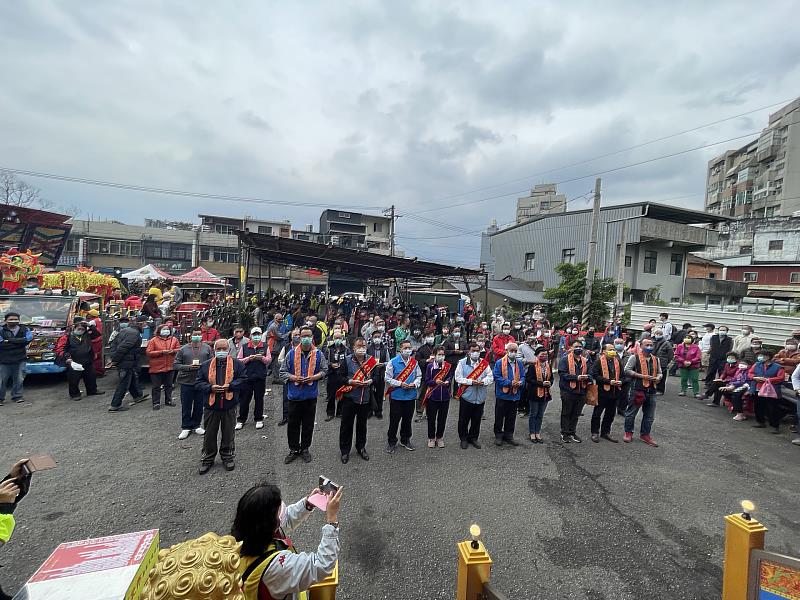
(159, 362)
(209, 335)
(499, 345)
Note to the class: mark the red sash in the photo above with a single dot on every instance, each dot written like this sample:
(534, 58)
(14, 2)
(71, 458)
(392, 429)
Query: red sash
(361, 375)
(476, 372)
(404, 375)
(438, 381)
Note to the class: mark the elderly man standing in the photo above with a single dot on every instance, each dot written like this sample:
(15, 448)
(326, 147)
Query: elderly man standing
(509, 377)
(219, 381)
(644, 369)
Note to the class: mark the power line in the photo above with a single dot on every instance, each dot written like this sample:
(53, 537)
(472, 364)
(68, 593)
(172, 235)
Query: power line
(171, 192)
(615, 152)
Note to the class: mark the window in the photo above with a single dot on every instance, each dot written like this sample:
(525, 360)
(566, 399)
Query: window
(71, 245)
(167, 251)
(377, 227)
(344, 215)
(769, 211)
(568, 255)
(544, 205)
(530, 260)
(628, 261)
(745, 250)
(776, 244)
(650, 261)
(750, 276)
(676, 264)
(712, 275)
(794, 277)
(674, 300)
(265, 229)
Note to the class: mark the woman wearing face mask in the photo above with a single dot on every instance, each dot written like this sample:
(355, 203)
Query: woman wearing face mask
(75, 347)
(161, 352)
(442, 337)
(539, 381)
(735, 389)
(424, 355)
(729, 371)
(270, 566)
(687, 356)
(210, 335)
(438, 379)
(789, 356)
(767, 409)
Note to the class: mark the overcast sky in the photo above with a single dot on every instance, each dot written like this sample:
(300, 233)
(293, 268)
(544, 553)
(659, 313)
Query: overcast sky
(370, 104)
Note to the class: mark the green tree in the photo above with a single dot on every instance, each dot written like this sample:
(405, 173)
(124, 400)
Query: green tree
(567, 296)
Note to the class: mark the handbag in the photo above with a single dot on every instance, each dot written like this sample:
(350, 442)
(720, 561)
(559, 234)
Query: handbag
(591, 394)
(767, 390)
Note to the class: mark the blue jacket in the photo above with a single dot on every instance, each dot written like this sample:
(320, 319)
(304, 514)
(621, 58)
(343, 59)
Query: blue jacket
(393, 369)
(306, 391)
(500, 382)
(474, 394)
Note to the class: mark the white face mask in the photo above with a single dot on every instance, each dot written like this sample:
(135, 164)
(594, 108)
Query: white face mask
(512, 355)
(474, 355)
(440, 358)
(406, 352)
(428, 340)
(376, 340)
(360, 351)
(456, 334)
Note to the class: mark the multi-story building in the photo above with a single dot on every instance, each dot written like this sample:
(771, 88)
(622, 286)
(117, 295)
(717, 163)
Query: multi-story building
(355, 230)
(543, 200)
(657, 244)
(762, 178)
(765, 240)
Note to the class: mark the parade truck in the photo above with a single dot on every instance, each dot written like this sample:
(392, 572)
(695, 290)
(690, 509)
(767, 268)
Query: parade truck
(47, 314)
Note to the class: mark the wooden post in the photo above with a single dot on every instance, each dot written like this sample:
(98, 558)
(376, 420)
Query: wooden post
(742, 535)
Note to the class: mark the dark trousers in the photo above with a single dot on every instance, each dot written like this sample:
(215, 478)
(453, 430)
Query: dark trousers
(400, 414)
(607, 409)
(771, 410)
(571, 406)
(713, 390)
(469, 420)
(159, 379)
(524, 394)
(505, 412)
(714, 367)
(252, 388)
(661, 385)
(422, 389)
(377, 394)
(218, 423)
(736, 401)
(353, 413)
(191, 407)
(622, 400)
(437, 418)
(89, 379)
(274, 365)
(285, 413)
(300, 429)
(128, 382)
(333, 384)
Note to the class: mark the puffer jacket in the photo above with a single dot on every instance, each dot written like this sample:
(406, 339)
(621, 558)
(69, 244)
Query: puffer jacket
(126, 348)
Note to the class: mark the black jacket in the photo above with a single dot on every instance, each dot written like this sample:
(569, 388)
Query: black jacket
(77, 349)
(13, 348)
(720, 347)
(126, 348)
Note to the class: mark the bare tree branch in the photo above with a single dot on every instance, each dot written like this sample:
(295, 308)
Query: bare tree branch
(17, 192)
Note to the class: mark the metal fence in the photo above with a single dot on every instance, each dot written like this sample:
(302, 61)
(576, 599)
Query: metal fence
(772, 329)
(492, 593)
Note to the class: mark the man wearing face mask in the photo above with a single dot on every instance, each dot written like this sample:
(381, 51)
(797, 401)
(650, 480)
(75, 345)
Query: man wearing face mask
(455, 348)
(742, 342)
(527, 351)
(721, 343)
(161, 352)
(238, 340)
(607, 372)
(623, 355)
(441, 338)
(403, 379)
(573, 379)
(664, 352)
(256, 358)
(509, 378)
(517, 332)
(379, 350)
(74, 349)
(644, 370)
(219, 380)
(501, 341)
(335, 353)
(125, 355)
(14, 340)
(304, 366)
(473, 376)
(424, 356)
(187, 364)
(209, 333)
(592, 347)
(354, 399)
(705, 344)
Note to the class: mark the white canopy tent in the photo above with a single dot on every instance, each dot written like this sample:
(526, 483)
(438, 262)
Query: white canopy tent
(146, 272)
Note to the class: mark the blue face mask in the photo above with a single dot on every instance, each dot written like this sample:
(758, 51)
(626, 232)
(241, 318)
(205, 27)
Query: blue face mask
(761, 358)
(619, 347)
(221, 354)
(124, 325)
(647, 349)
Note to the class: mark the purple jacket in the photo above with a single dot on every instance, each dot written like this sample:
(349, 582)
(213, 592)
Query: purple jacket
(442, 392)
(684, 353)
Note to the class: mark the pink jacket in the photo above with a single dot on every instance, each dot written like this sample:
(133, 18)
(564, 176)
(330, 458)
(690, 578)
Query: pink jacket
(690, 353)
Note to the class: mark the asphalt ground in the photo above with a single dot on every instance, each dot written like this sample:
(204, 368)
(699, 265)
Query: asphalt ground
(576, 521)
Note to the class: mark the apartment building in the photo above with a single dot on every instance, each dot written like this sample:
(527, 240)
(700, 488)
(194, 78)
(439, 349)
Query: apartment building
(543, 200)
(355, 230)
(761, 178)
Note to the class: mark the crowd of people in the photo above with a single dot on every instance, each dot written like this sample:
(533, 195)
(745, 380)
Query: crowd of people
(416, 360)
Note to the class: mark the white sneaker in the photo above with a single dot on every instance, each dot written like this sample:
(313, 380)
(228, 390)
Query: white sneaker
(200, 431)
(259, 424)
(739, 417)
(184, 434)
(239, 425)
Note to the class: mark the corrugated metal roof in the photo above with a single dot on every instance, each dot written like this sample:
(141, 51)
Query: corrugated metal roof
(525, 296)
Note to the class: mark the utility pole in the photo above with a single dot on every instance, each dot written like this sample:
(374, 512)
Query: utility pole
(391, 232)
(619, 297)
(590, 263)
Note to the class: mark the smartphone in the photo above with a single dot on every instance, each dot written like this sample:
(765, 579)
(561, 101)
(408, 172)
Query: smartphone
(41, 462)
(328, 489)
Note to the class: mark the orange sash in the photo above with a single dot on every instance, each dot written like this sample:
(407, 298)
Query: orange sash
(543, 374)
(298, 362)
(212, 379)
(646, 383)
(404, 375)
(361, 375)
(571, 366)
(476, 372)
(504, 372)
(438, 381)
(604, 369)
